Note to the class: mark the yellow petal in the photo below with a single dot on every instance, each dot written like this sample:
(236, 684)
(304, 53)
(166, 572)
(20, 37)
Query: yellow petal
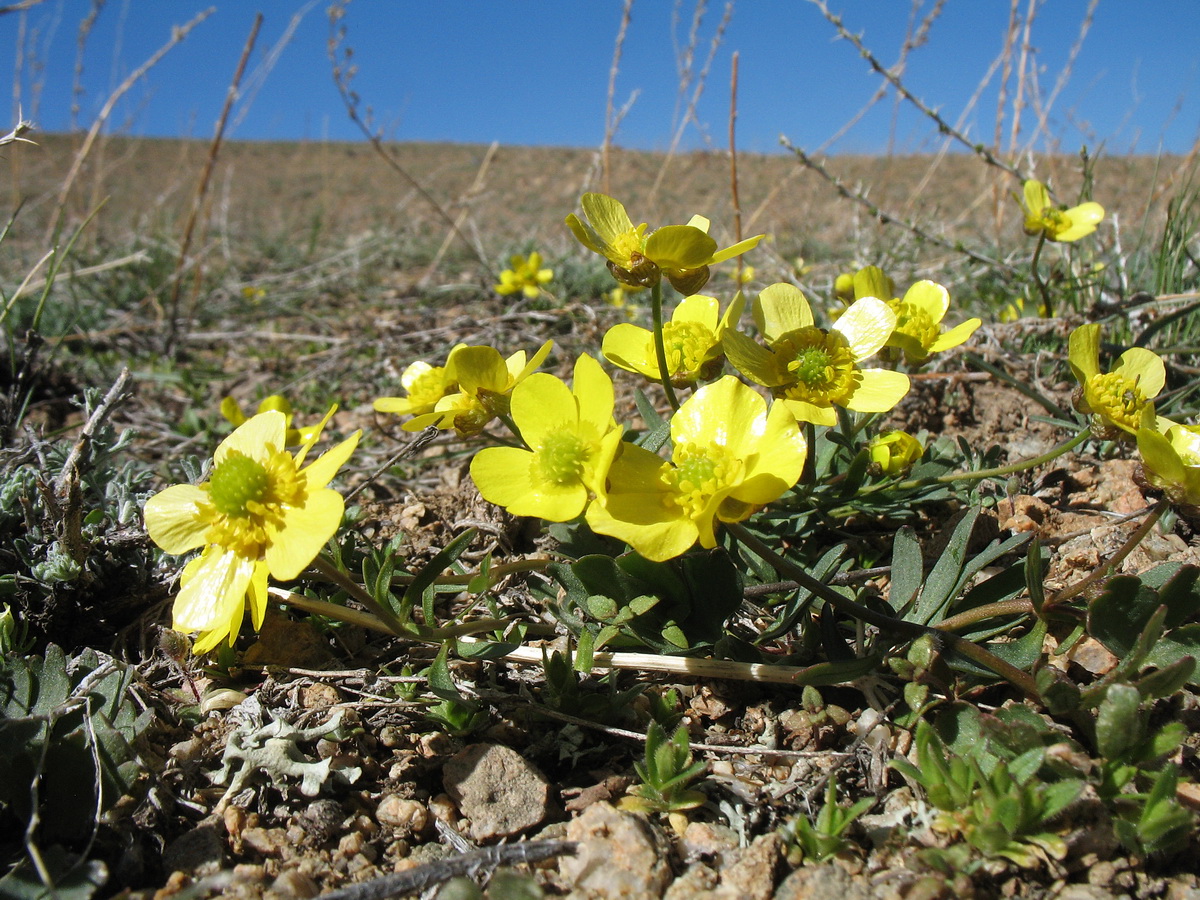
(871, 281)
(216, 586)
(867, 325)
(753, 360)
(955, 336)
(736, 250)
(631, 348)
(1083, 218)
(322, 470)
(173, 518)
(1144, 367)
(779, 309)
(304, 531)
(1083, 351)
(541, 404)
(252, 437)
(680, 247)
(606, 215)
(931, 298)
(698, 308)
(877, 390)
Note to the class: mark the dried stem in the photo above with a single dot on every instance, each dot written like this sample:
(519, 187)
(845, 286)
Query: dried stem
(178, 34)
(214, 148)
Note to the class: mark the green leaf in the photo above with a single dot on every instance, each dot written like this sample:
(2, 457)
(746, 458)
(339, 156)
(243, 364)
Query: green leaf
(908, 569)
(1118, 722)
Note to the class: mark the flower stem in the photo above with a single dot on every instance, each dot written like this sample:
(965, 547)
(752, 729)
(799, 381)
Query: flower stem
(999, 472)
(1115, 560)
(660, 348)
(1010, 673)
(386, 617)
(1047, 306)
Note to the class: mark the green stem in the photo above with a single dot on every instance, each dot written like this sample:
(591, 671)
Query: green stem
(374, 623)
(336, 576)
(1010, 673)
(999, 472)
(1037, 278)
(535, 564)
(660, 348)
(1112, 562)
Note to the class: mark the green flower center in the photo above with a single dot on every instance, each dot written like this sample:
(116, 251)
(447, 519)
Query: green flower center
(698, 473)
(236, 482)
(821, 363)
(561, 458)
(246, 496)
(1116, 399)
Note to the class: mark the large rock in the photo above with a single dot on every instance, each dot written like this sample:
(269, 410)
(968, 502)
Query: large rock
(500, 792)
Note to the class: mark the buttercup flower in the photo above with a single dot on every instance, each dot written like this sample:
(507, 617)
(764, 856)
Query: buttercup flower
(485, 379)
(730, 456)
(682, 253)
(1171, 462)
(692, 340)
(232, 411)
(572, 438)
(812, 370)
(526, 276)
(894, 452)
(425, 385)
(1057, 223)
(919, 323)
(1120, 400)
(261, 512)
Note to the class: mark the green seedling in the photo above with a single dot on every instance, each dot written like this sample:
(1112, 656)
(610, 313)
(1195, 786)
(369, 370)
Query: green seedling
(665, 774)
(1005, 813)
(823, 837)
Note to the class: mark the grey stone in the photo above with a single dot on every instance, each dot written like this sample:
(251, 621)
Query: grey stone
(500, 792)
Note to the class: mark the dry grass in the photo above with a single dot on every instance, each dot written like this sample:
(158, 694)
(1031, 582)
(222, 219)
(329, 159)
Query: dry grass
(282, 189)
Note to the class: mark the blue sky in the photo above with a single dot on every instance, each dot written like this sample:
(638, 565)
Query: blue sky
(537, 71)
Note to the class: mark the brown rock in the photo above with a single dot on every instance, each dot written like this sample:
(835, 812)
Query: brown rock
(823, 882)
(620, 855)
(498, 790)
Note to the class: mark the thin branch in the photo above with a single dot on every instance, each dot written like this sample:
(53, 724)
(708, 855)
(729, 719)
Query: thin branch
(173, 323)
(178, 34)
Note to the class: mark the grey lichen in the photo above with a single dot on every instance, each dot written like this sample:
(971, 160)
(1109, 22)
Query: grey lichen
(272, 748)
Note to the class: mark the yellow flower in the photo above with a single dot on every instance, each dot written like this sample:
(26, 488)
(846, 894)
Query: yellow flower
(1120, 400)
(745, 275)
(485, 379)
(730, 456)
(425, 385)
(572, 438)
(258, 514)
(232, 411)
(1171, 462)
(894, 452)
(919, 323)
(1055, 222)
(692, 340)
(526, 276)
(682, 253)
(812, 369)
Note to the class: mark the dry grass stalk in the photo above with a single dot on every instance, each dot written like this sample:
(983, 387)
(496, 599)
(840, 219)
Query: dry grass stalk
(733, 175)
(178, 34)
(611, 120)
(911, 42)
(697, 83)
(214, 149)
(85, 29)
(943, 126)
(465, 202)
(343, 74)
